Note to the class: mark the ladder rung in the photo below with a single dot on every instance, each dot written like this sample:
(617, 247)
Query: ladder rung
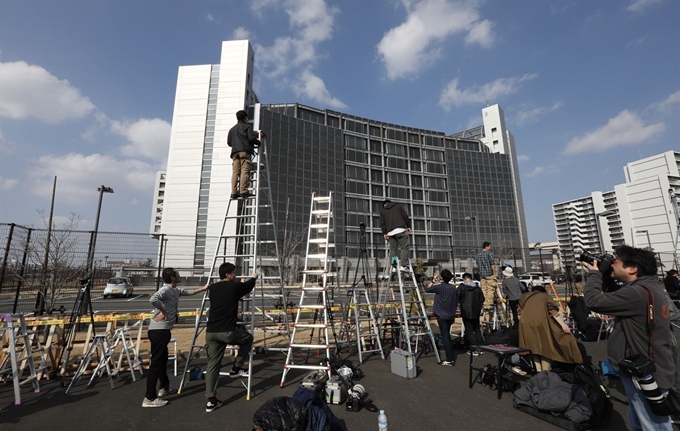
(314, 271)
(314, 289)
(321, 212)
(319, 226)
(313, 307)
(322, 198)
(317, 256)
(318, 241)
(309, 367)
(309, 346)
(310, 325)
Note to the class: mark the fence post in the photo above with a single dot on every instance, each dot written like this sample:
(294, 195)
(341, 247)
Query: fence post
(23, 270)
(160, 259)
(4, 258)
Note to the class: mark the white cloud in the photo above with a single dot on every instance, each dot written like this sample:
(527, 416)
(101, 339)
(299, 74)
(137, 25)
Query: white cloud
(6, 146)
(8, 183)
(32, 91)
(531, 115)
(667, 105)
(79, 175)
(543, 170)
(487, 93)
(241, 33)
(149, 138)
(290, 59)
(637, 42)
(313, 88)
(636, 6)
(210, 18)
(523, 158)
(627, 128)
(416, 43)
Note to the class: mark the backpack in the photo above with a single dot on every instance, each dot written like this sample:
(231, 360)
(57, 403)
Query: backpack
(587, 377)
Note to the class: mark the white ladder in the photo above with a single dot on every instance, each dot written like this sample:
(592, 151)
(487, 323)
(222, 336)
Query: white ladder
(412, 315)
(315, 278)
(21, 350)
(101, 346)
(365, 323)
(122, 337)
(246, 222)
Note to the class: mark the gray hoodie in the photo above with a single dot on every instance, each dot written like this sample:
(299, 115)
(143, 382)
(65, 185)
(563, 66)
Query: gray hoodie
(629, 307)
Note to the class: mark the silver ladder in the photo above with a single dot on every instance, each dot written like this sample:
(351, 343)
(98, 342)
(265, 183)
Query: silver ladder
(365, 323)
(101, 346)
(248, 240)
(315, 278)
(122, 337)
(21, 350)
(411, 318)
(497, 317)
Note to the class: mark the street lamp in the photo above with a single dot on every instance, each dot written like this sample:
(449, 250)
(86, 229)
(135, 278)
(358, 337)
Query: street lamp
(649, 242)
(540, 255)
(599, 227)
(90, 255)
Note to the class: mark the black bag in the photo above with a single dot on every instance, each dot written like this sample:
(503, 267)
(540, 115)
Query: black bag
(281, 414)
(196, 373)
(587, 377)
(499, 336)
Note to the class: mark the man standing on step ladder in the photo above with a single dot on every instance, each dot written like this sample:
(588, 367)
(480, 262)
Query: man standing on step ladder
(242, 139)
(486, 264)
(221, 330)
(165, 302)
(396, 227)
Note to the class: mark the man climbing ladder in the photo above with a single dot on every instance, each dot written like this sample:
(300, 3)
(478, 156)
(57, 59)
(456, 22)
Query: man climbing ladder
(396, 227)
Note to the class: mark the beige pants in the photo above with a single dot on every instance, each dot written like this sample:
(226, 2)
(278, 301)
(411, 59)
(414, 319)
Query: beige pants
(240, 172)
(542, 363)
(489, 285)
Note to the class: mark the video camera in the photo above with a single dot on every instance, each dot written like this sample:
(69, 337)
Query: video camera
(604, 264)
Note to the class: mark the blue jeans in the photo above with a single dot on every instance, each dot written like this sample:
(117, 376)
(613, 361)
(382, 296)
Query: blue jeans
(640, 416)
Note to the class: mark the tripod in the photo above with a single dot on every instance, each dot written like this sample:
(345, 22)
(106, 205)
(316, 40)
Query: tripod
(82, 306)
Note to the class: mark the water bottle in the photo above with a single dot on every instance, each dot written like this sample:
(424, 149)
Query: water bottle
(382, 421)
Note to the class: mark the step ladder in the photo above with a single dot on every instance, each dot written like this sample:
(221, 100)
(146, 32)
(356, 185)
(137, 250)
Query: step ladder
(102, 348)
(248, 240)
(360, 309)
(22, 348)
(410, 316)
(497, 317)
(314, 292)
(122, 340)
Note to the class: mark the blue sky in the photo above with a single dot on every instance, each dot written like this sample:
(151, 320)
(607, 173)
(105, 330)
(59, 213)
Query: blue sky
(87, 88)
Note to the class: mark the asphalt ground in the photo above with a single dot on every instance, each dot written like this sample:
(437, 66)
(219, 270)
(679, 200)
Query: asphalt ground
(438, 399)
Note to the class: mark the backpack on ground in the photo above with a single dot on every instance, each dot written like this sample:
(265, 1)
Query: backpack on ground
(588, 377)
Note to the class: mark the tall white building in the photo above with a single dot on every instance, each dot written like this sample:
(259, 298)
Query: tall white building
(642, 212)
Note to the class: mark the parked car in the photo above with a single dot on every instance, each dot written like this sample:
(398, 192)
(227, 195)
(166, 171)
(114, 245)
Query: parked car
(118, 286)
(533, 279)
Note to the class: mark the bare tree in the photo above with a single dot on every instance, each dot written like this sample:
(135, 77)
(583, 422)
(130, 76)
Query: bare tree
(291, 255)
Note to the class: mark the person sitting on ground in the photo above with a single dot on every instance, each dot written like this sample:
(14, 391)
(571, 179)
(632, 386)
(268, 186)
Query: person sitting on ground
(542, 330)
(471, 300)
(445, 304)
(512, 289)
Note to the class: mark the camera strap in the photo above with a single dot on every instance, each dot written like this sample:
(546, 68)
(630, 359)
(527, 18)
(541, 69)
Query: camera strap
(651, 324)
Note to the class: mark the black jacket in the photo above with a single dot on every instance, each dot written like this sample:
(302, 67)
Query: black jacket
(224, 297)
(393, 216)
(471, 299)
(242, 138)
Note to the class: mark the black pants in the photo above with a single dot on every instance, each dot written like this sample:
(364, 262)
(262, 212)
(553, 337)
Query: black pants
(158, 369)
(445, 331)
(473, 333)
(515, 317)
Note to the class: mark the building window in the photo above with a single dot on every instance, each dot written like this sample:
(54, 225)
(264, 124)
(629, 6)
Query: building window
(495, 142)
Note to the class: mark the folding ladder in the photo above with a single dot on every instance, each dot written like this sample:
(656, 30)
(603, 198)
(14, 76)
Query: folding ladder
(360, 309)
(21, 350)
(123, 339)
(248, 240)
(100, 347)
(315, 278)
(410, 316)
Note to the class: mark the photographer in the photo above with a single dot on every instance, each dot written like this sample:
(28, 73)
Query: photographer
(636, 330)
(242, 139)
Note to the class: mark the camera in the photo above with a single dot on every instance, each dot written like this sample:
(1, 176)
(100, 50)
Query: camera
(640, 369)
(604, 264)
(356, 398)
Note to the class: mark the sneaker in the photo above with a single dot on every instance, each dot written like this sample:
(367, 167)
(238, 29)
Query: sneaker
(246, 195)
(158, 402)
(518, 371)
(238, 373)
(448, 363)
(404, 269)
(475, 352)
(165, 392)
(212, 405)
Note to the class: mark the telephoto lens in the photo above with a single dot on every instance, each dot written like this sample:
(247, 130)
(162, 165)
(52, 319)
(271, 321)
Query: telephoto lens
(655, 398)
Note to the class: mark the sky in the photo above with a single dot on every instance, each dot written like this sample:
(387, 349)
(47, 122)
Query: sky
(87, 88)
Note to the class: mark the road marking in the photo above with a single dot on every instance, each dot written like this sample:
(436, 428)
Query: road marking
(135, 297)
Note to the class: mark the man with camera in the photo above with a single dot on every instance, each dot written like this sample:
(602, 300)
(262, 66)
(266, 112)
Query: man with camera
(641, 341)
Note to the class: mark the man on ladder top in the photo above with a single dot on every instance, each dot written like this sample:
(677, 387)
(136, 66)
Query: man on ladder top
(222, 330)
(396, 227)
(242, 139)
(486, 264)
